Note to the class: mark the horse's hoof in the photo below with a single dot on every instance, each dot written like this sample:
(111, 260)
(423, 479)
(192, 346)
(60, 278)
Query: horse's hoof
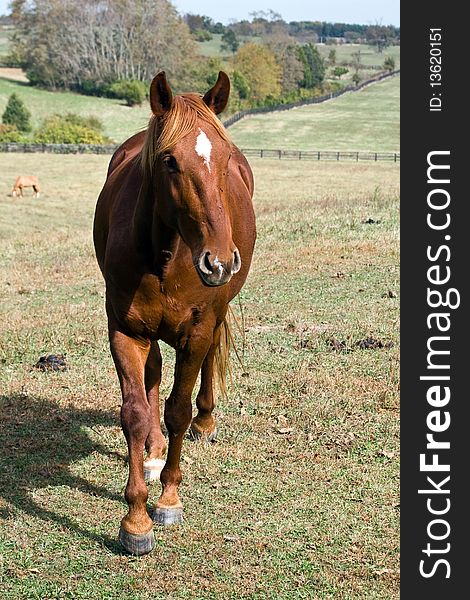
(152, 468)
(137, 544)
(167, 515)
(195, 433)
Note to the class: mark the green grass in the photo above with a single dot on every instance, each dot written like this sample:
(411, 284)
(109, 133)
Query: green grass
(369, 56)
(211, 48)
(308, 514)
(363, 120)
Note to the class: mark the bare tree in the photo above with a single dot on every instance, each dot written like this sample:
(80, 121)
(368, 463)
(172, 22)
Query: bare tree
(64, 43)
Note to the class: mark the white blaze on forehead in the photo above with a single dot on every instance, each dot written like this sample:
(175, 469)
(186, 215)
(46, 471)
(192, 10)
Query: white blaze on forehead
(203, 148)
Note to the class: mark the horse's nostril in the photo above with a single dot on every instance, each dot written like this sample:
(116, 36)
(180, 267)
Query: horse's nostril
(237, 262)
(205, 264)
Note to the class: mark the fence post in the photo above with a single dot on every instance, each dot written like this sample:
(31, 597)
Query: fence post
(357, 156)
(261, 153)
(395, 157)
(376, 157)
(300, 154)
(279, 154)
(319, 156)
(337, 156)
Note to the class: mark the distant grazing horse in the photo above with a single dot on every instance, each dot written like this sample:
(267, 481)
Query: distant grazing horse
(25, 181)
(174, 235)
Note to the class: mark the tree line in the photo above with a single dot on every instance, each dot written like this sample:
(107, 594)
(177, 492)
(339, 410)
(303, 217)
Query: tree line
(267, 23)
(114, 48)
(69, 44)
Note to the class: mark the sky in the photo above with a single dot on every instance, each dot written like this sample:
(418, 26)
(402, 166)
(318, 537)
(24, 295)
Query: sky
(385, 12)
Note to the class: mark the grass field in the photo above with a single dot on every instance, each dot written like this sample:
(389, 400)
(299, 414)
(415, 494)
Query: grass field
(363, 120)
(369, 56)
(309, 513)
(120, 121)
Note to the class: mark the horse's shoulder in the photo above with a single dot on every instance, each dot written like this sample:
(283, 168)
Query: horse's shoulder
(240, 169)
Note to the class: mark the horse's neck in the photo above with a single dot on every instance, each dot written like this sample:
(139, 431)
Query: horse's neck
(152, 237)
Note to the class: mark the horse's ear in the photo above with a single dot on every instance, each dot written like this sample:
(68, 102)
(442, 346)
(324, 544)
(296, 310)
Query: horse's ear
(217, 97)
(161, 97)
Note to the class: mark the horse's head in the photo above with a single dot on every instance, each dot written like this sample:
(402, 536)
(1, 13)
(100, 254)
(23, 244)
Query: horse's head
(188, 152)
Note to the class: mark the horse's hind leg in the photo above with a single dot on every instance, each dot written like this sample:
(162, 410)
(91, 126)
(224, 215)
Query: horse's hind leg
(203, 425)
(130, 357)
(178, 414)
(155, 443)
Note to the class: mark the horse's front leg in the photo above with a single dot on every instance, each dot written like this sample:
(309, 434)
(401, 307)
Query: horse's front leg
(130, 356)
(155, 443)
(178, 413)
(203, 425)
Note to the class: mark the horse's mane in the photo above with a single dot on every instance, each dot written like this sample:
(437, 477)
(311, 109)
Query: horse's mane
(162, 134)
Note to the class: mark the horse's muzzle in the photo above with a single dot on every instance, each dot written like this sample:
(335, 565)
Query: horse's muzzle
(214, 272)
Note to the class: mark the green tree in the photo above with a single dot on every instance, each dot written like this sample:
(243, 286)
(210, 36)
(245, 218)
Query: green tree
(314, 66)
(389, 63)
(17, 114)
(241, 85)
(230, 41)
(332, 57)
(262, 73)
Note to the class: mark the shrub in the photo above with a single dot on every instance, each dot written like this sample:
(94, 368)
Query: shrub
(10, 133)
(17, 114)
(67, 130)
(202, 35)
(91, 122)
(130, 90)
(339, 71)
(92, 88)
(389, 63)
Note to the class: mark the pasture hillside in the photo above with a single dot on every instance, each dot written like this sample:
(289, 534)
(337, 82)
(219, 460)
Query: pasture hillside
(364, 120)
(120, 121)
(299, 496)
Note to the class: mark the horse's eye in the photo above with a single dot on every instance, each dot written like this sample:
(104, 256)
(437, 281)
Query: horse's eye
(170, 162)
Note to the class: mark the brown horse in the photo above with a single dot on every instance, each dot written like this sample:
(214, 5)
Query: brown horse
(174, 235)
(26, 181)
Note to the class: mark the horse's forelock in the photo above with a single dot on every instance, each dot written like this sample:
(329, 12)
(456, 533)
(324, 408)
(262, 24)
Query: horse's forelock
(179, 121)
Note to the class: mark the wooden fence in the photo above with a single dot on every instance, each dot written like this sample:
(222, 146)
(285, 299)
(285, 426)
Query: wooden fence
(337, 155)
(322, 155)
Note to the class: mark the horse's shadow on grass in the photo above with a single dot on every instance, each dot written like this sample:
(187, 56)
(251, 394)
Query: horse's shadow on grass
(38, 442)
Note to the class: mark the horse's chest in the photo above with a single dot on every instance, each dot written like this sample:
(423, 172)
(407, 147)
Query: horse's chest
(165, 313)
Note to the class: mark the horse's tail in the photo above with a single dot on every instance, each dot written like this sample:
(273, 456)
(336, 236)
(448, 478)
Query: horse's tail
(222, 352)
(222, 357)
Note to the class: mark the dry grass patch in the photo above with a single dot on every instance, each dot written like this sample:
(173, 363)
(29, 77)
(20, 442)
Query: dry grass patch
(299, 498)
